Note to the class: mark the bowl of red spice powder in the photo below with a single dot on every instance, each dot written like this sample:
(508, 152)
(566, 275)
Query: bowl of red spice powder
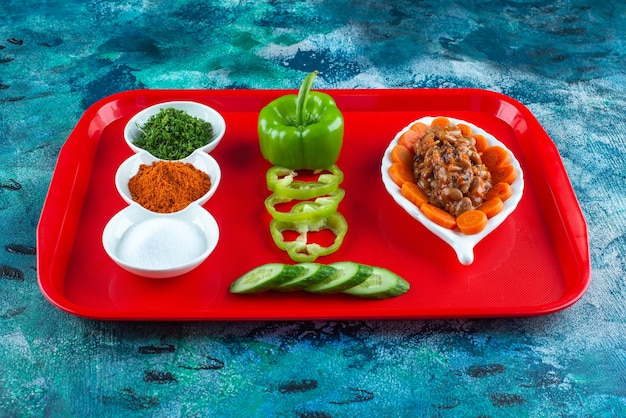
(163, 186)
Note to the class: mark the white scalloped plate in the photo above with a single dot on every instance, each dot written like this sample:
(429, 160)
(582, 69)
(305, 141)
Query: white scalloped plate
(462, 244)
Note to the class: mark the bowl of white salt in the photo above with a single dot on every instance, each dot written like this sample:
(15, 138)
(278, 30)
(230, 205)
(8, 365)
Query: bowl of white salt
(160, 245)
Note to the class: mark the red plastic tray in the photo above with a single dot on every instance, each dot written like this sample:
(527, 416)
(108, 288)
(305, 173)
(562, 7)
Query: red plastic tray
(536, 262)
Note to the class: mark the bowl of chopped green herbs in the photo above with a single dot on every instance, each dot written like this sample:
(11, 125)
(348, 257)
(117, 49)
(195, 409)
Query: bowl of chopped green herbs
(174, 130)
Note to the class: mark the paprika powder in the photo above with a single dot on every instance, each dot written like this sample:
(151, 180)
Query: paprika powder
(168, 186)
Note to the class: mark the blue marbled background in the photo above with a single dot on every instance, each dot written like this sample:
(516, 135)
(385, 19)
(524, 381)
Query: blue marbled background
(563, 59)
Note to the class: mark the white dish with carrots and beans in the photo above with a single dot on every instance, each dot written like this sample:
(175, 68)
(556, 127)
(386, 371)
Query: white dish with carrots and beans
(455, 178)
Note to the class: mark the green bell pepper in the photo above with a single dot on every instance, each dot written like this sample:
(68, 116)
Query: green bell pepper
(300, 249)
(303, 131)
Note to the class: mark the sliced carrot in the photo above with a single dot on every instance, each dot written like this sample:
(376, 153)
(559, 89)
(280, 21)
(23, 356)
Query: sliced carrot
(481, 142)
(466, 130)
(400, 154)
(400, 174)
(419, 128)
(504, 174)
(408, 139)
(500, 190)
(438, 216)
(495, 156)
(492, 207)
(440, 121)
(471, 222)
(414, 193)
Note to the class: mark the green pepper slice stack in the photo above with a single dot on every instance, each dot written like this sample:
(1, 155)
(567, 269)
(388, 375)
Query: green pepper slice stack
(316, 210)
(303, 132)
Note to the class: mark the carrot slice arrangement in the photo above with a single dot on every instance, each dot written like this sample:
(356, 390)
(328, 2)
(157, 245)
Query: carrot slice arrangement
(504, 174)
(419, 128)
(408, 139)
(466, 130)
(439, 216)
(492, 207)
(400, 174)
(496, 158)
(500, 190)
(481, 142)
(414, 194)
(471, 222)
(440, 121)
(400, 154)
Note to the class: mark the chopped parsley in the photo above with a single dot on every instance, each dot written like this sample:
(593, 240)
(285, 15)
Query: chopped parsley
(173, 134)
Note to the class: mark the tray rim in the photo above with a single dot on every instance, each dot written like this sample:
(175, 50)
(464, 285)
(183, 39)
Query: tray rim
(104, 112)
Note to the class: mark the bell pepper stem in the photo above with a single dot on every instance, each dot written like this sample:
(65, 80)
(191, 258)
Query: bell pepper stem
(303, 95)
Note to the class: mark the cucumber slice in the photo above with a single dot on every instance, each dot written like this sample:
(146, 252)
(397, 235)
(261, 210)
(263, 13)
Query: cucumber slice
(381, 284)
(265, 277)
(347, 274)
(312, 273)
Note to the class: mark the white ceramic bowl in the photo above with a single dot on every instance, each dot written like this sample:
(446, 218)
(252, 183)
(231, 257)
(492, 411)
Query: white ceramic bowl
(462, 244)
(160, 246)
(199, 159)
(199, 110)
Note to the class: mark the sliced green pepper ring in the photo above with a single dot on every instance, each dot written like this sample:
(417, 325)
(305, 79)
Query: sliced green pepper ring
(301, 251)
(281, 181)
(308, 210)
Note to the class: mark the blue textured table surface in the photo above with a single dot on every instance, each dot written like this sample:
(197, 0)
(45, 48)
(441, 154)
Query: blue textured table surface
(564, 60)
